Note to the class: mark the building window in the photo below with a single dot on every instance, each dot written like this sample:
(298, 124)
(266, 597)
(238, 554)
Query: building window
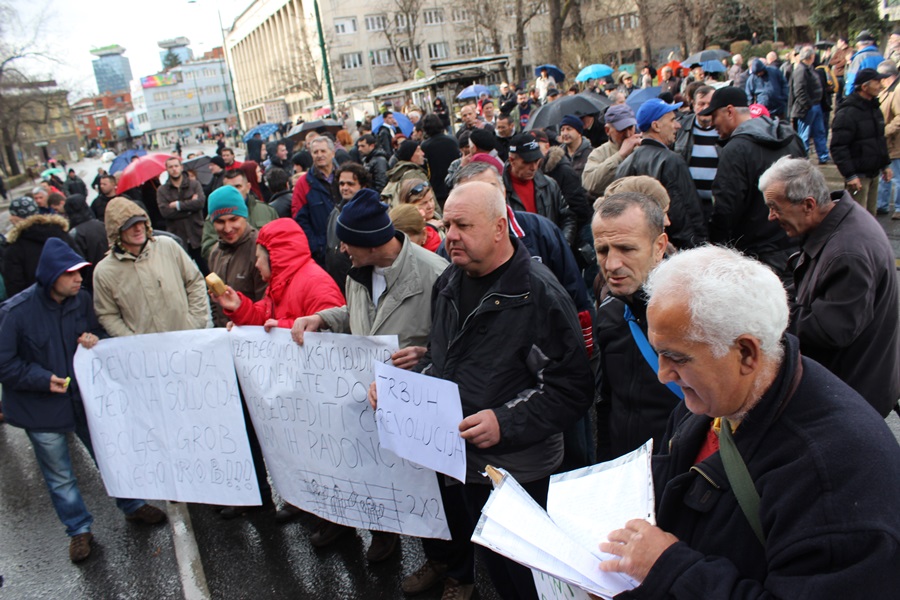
(375, 23)
(433, 16)
(351, 61)
(512, 41)
(439, 50)
(405, 55)
(460, 15)
(402, 20)
(345, 26)
(381, 58)
(465, 47)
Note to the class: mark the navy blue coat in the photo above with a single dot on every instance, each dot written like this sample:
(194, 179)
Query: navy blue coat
(38, 338)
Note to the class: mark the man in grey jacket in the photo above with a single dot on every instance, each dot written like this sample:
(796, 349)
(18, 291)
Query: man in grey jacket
(181, 201)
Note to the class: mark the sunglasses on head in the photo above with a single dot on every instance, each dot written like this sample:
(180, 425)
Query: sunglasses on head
(420, 188)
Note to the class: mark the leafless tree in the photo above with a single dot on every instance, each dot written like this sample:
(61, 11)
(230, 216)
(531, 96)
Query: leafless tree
(400, 32)
(523, 11)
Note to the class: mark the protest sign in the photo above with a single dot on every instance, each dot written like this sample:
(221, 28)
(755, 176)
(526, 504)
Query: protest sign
(318, 435)
(551, 588)
(165, 418)
(418, 418)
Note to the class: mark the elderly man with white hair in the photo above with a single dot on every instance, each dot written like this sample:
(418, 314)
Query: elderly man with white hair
(775, 479)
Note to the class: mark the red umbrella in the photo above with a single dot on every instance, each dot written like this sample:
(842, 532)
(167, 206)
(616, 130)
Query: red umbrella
(677, 69)
(322, 112)
(142, 170)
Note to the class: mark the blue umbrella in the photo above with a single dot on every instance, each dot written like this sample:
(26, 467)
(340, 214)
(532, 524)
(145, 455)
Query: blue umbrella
(264, 130)
(635, 99)
(403, 122)
(473, 91)
(552, 71)
(594, 72)
(123, 160)
(708, 66)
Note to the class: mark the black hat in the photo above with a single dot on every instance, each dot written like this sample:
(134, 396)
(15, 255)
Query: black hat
(866, 75)
(726, 96)
(525, 147)
(407, 149)
(364, 221)
(865, 36)
(482, 138)
(218, 161)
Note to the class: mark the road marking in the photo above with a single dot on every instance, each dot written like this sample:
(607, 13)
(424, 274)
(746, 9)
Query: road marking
(190, 568)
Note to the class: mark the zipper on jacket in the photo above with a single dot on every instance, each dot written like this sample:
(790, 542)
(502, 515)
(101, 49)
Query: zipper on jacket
(705, 476)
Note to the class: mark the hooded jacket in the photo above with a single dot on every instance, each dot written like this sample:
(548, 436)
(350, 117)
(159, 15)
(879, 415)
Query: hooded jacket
(161, 289)
(38, 338)
(298, 287)
(236, 265)
(867, 58)
(740, 217)
(89, 233)
(805, 90)
(376, 163)
(652, 158)
(405, 307)
(26, 240)
(770, 90)
(858, 145)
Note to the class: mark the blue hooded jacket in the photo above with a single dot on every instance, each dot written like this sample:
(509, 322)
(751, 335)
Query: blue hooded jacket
(38, 338)
(867, 58)
(770, 90)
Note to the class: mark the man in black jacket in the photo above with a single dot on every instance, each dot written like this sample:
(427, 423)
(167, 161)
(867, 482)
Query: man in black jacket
(74, 184)
(440, 151)
(843, 302)
(629, 241)
(858, 145)
(805, 103)
(823, 467)
(751, 146)
(374, 160)
(656, 120)
(505, 332)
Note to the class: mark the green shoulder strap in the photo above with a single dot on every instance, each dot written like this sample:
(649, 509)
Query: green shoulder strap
(740, 480)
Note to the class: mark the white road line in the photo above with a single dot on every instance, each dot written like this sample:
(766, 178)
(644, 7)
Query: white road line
(190, 569)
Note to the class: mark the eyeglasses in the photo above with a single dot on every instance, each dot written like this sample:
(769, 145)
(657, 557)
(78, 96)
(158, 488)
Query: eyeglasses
(419, 189)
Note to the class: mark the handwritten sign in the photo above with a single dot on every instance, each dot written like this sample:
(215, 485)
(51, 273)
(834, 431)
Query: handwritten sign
(551, 588)
(318, 433)
(418, 418)
(165, 418)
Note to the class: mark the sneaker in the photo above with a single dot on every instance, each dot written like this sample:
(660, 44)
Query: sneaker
(287, 513)
(383, 545)
(882, 211)
(454, 590)
(327, 533)
(425, 577)
(80, 546)
(896, 216)
(147, 515)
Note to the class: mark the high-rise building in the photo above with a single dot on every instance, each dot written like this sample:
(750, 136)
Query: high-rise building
(111, 70)
(177, 46)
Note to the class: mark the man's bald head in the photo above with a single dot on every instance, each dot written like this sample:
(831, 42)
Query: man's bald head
(477, 228)
(483, 195)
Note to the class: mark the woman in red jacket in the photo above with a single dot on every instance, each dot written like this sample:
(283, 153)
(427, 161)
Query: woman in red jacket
(297, 285)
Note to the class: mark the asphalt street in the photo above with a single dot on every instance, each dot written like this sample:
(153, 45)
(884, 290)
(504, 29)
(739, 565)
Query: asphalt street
(250, 557)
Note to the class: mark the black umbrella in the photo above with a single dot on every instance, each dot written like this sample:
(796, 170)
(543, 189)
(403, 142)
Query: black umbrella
(316, 125)
(824, 45)
(200, 165)
(705, 55)
(583, 104)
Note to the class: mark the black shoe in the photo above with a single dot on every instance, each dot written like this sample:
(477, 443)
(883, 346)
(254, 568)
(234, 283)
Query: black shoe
(882, 211)
(327, 533)
(147, 515)
(287, 513)
(233, 512)
(383, 546)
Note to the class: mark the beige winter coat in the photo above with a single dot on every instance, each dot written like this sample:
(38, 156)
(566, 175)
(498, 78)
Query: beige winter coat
(159, 290)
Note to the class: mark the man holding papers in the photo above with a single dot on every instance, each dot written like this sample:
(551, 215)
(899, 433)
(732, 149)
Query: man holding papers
(388, 292)
(506, 332)
(775, 479)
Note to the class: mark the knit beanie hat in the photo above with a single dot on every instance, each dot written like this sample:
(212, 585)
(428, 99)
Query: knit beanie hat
(23, 207)
(364, 221)
(573, 122)
(406, 150)
(227, 200)
(218, 161)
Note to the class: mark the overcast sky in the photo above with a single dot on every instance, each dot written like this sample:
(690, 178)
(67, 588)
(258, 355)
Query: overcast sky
(71, 28)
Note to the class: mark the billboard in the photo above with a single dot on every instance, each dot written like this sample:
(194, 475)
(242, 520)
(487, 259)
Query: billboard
(161, 80)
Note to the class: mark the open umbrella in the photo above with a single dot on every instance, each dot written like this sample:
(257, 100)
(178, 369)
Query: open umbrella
(552, 71)
(594, 72)
(142, 170)
(473, 91)
(705, 55)
(299, 131)
(200, 165)
(54, 171)
(322, 112)
(713, 66)
(264, 130)
(579, 105)
(403, 122)
(122, 160)
(676, 66)
(638, 97)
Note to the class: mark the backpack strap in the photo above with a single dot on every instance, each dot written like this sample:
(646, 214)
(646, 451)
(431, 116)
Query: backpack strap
(740, 480)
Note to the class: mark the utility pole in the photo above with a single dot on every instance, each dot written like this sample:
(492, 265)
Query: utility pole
(325, 71)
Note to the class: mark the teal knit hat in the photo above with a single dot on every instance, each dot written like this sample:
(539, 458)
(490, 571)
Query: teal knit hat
(226, 200)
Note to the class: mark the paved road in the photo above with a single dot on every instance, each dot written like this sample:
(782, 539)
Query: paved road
(242, 559)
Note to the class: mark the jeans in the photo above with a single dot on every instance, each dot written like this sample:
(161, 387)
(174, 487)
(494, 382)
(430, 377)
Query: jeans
(52, 453)
(886, 190)
(814, 123)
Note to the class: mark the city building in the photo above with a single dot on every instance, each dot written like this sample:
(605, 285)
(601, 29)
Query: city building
(111, 70)
(47, 129)
(101, 120)
(177, 46)
(189, 101)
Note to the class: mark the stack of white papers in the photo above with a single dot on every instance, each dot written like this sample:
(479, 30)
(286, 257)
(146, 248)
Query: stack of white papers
(583, 507)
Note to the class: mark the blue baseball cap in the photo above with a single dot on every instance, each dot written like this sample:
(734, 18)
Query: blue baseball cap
(653, 110)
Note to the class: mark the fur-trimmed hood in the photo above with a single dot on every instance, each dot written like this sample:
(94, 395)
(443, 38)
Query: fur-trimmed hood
(554, 156)
(34, 223)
